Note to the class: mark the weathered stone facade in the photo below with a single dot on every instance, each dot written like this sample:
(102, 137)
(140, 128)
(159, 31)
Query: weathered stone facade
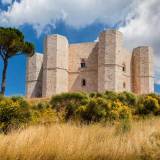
(90, 67)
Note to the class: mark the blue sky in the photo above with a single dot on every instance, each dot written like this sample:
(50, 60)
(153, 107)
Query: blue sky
(17, 65)
(80, 21)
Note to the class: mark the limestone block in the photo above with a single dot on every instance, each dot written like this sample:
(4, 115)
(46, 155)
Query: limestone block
(110, 46)
(34, 76)
(88, 52)
(55, 68)
(142, 70)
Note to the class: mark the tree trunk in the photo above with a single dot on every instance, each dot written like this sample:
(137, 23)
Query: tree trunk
(3, 84)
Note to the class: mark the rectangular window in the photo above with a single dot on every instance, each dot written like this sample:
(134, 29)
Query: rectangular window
(83, 63)
(83, 82)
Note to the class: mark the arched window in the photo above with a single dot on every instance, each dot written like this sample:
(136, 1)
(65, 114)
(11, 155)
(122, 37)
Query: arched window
(83, 82)
(124, 67)
(124, 85)
(83, 63)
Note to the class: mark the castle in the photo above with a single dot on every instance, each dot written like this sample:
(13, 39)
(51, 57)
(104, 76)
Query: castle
(90, 67)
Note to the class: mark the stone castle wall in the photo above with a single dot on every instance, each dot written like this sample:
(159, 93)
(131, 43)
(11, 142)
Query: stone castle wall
(108, 66)
(34, 76)
(55, 67)
(87, 52)
(112, 57)
(142, 68)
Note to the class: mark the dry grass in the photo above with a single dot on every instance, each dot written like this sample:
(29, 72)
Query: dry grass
(37, 100)
(70, 142)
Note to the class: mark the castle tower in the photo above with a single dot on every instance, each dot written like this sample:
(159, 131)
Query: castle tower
(34, 76)
(142, 70)
(55, 68)
(109, 64)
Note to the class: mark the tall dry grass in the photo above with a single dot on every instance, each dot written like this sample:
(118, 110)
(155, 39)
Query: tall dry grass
(71, 142)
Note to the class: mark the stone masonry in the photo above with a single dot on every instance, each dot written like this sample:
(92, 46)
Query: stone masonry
(90, 67)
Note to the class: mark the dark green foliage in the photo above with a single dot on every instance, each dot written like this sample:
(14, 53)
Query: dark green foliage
(41, 106)
(94, 111)
(67, 103)
(11, 44)
(97, 107)
(156, 96)
(148, 105)
(111, 95)
(62, 100)
(128, 98)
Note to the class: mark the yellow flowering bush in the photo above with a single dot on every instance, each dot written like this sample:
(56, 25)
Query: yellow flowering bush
(13, 113)
(148, 105)
(120, 111)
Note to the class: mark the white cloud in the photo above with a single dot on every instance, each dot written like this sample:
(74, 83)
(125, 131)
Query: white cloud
(143, 28)
(6, 2)
(76, 13)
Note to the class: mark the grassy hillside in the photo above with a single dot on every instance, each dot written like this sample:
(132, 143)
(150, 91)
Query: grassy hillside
(81, 126)
(85, 142)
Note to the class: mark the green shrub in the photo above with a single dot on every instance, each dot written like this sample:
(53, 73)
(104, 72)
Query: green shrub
(99, 109)
(111, 95)
(93, 108)
(62, 100)
(120, 111)
(42, 113)
(93, 94)
(41, 106)
(66, 104)
(156, 96)
(128, 98)
(148, 105)
(70, 111)
(14, 112)
(94, 111)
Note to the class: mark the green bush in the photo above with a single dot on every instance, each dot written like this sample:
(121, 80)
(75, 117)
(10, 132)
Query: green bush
(111, 95)
(148, 105)
(93, 108)
(128, 98)
(120, 111)
(66, 104)
(14, 112)
(41, 106)
(87, 108)
(96, 95)
(62, 100)
(156, 96)
(103, 110)
(94, 111)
